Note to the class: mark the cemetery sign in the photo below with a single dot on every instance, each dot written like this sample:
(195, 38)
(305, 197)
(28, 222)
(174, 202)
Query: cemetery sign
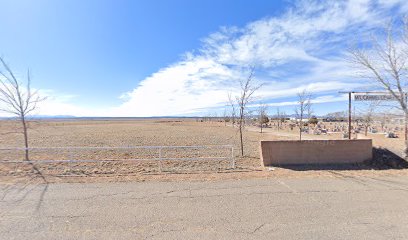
(373, 97)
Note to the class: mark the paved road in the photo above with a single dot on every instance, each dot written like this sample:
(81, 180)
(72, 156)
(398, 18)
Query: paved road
(325, 208)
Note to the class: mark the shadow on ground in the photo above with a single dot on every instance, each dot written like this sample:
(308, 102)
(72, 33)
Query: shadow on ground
(383, 159)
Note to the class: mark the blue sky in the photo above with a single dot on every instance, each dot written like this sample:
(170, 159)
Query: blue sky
(179, 57)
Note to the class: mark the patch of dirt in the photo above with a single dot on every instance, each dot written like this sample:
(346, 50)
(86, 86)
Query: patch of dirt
(123, 133)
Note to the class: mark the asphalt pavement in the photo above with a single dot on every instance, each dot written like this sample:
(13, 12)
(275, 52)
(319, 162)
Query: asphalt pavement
(343, 207)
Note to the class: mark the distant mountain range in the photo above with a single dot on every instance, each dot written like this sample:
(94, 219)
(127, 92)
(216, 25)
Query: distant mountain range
(44, 117)
(39, 117)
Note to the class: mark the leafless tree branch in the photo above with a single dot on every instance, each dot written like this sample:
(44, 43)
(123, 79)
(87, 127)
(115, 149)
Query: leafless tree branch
(386, 64)
(247, 90)
(17, 101)
(304, 107)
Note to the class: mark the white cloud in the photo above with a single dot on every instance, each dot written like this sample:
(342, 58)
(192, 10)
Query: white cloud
(54, 104)
(60, 104)
(302, 48)
(316, 100)
(178, 89)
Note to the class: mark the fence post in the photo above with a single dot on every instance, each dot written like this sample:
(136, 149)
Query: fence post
(70, 164)
(160, 159)
(232, 157)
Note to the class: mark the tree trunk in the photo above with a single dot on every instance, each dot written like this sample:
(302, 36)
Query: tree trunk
(261, 127)
(366, 131)
(241, 125)
(242, 142)
(300, 133)
(23, 122)
(406, 135)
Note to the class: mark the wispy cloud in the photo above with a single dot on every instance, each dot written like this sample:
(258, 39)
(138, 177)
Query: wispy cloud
(56, 103)
(317, 100)
(303, 48)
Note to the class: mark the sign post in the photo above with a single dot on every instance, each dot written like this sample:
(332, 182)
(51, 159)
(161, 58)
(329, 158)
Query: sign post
(372, 96)
(405, 119)
(349, 117)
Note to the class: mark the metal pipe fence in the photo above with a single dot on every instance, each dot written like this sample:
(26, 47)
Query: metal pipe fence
(162, 155)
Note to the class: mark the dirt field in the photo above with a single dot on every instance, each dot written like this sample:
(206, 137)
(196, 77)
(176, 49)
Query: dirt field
(161, 132)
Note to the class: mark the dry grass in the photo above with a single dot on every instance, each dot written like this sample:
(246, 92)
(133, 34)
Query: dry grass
(121, 133)
(162, 132)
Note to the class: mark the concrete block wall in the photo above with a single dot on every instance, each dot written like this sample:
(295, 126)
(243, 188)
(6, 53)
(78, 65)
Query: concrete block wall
(315, 152)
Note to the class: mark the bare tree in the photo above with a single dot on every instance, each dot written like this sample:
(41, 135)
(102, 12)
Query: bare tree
(367, 116)
(278, 117)
(246, 96)
(233, 110)
(384, 118)
(17, 99)
(226, 117)
(338, 116)
(385, 64)
(309, 111)
(282, 119)
(263, 115)
(304, 107)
